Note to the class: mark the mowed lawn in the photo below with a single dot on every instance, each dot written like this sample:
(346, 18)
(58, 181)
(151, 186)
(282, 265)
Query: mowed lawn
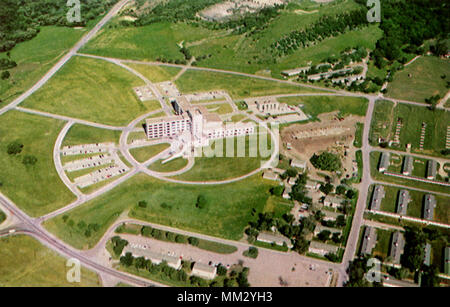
(142, 154)
(80, 134)
(315, 105)
(413, 117)
(237, 86)
(215, 164)
(25, 262)
(155, 73)
(36, 189)
(93, 90)
(421, 79)
(228, 208)
(52, 42)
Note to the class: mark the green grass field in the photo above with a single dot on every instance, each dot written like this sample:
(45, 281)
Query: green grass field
(420, 80)
(381, 121)
(142, 154)
(2, 216)
(358, 135)
(383, 245)
(228, 208)
(52, 42)
(93, 90)
(315, 105)
(145, 43)
(155, 73)
(81, 134)
(413, 117)
(220, 108)
(237, 86)
(36, 189)
(171, 166)
(207, 168)
(24, 262)
(384, 124)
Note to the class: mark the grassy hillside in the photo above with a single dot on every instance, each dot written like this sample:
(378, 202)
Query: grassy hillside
(36, 189)
(94, 90)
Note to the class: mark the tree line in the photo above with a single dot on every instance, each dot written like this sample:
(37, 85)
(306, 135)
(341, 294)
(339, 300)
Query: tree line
(21, 19)
(327, 26)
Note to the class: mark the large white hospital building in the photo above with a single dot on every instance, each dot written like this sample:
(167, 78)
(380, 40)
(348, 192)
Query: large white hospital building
(202, 125)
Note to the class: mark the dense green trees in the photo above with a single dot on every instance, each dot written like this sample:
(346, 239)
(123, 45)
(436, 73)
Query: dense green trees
(21, 19)
(14, 148)
(326, 161)
(327, 26)
(407, 24)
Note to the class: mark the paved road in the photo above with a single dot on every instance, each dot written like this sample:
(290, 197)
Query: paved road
(65, 58)
(32, 227)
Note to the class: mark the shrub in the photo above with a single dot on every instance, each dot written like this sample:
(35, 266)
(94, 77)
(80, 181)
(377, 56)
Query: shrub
(14, 148)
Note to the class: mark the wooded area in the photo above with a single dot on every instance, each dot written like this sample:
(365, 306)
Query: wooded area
(21, 19)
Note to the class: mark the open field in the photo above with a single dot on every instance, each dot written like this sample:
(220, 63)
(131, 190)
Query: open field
(225, 167)
(225, 56)
(420, 80)
(142, 154)
(376, 175)
(52, 42)
(228, 208)
(220, 108)
(145, 43)
(413, 117)
(81, 134)
(381, 121)
(25, 262)
(36, 189)
(93, 90)
(384, 124)
(315, 105)
(168, 167)
(237, 86)
(155, 73)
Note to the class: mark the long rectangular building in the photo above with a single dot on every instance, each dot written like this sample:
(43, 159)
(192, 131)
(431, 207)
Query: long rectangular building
(384, 162)
(407, 165)
(377, 197)
(369, 240)
(397, 247)
(428, 207)
(402, 203)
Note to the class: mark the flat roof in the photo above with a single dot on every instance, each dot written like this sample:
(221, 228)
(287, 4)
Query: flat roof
(324, 246)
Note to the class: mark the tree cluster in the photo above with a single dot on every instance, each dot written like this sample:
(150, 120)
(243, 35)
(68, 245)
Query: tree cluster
(21, 19)
(327, 26)
(407, 24)
(326, 161)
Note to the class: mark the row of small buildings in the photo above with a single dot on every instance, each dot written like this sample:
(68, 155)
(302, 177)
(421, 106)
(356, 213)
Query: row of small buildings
(397, 245)
(407, 166)
(199, 269)
(403, 199)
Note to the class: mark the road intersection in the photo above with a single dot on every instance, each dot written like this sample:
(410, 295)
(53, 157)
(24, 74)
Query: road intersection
(33, 226)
